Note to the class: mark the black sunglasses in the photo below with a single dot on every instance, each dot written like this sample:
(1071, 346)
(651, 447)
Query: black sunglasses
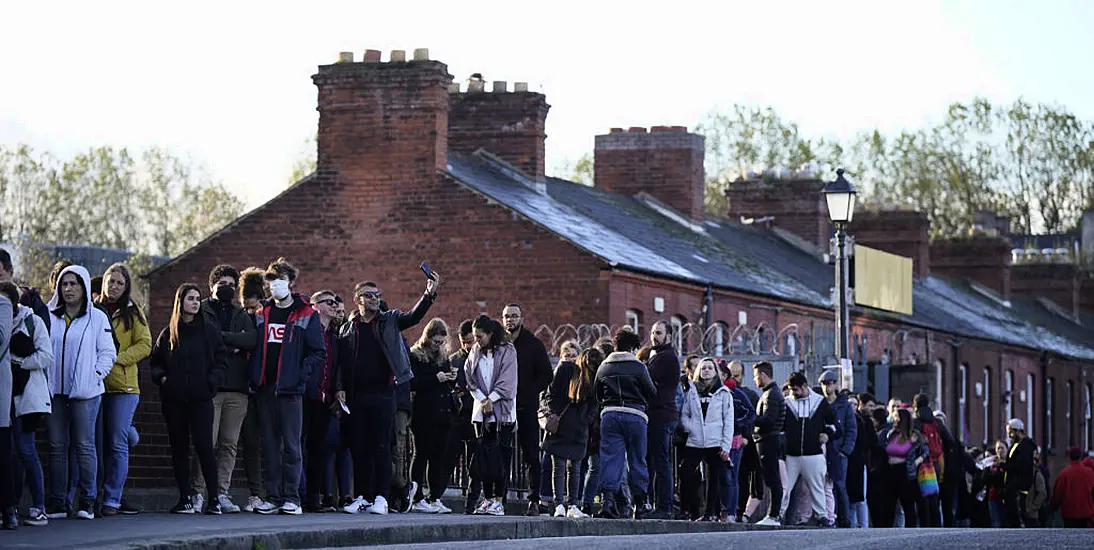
(329, 301)
(373, 295)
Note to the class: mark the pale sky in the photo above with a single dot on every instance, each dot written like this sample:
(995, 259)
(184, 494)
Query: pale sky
(228, 83)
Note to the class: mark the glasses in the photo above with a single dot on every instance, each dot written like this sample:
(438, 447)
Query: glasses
(329, 301)
(370, 295)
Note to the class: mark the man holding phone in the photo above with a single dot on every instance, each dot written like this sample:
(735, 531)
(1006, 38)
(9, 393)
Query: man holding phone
(373, 361)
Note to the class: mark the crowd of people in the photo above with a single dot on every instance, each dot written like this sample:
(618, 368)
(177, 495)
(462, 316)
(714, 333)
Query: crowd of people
(322, 405)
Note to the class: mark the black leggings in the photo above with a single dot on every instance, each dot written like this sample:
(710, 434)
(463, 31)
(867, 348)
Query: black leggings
(902, 490)
(185, 421)
(430, 439)
(690, 481)
(768, 449)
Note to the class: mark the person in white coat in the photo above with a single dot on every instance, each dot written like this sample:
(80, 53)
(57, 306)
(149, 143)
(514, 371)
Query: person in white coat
(31, 357)
(707, 418)
(83, 354)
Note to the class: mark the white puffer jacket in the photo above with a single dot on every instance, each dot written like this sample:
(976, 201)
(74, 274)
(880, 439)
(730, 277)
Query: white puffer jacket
(36, 397)
(715, 429)
(83, 349)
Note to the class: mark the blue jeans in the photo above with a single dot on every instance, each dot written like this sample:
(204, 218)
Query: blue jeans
(281, 421)
(73, 423)
(118, 410)
(32, 466)
(623, 442)
(592, 478)
(838, 474)
(997, 513)
(659, 441)
(731, 487)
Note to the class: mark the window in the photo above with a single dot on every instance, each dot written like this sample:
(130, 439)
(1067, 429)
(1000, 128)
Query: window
(962, 395)
(633, 318)
(718, 339)
(987, 406)
(1050, 402)
(1029, 405)
(1068, 389)
(1087, 425)
(1008, 410)
(678, 323)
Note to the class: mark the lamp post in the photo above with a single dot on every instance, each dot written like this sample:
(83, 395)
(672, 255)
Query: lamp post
(840, 196)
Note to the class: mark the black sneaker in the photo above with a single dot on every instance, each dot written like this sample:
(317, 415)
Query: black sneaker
(608, 510)
(533, 509)
(213, 509)
(587, 509)
(10, 520)
(642, 511)
(183, 507)
(108, 511)
(659, 514)
(127, 509)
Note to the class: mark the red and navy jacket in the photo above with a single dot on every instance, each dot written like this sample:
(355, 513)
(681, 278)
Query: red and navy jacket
(303, 351)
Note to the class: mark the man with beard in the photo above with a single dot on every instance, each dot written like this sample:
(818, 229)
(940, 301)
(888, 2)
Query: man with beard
(534, 374)
(664, 367)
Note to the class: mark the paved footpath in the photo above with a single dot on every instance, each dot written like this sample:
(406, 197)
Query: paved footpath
(252, 531)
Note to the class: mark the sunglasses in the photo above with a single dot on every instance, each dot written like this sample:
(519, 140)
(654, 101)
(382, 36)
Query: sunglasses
(373, 295)
(329, 301)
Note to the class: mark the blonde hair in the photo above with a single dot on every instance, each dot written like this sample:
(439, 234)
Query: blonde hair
(436, 326)
(570, 345)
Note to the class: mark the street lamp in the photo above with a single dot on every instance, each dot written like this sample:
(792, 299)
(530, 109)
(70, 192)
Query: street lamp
(840, 196)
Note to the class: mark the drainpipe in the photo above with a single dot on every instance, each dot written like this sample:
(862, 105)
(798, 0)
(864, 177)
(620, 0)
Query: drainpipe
(955, 377)
(708, 306)
(1045, 360)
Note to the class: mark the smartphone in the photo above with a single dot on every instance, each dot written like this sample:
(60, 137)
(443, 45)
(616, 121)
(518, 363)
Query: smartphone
(428, 272)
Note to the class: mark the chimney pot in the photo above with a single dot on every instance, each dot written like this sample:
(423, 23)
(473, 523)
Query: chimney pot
(616, 131)
(520, 86)
(345, 57)
(501, 86)
(637, 129)
(475, 86)
(398, 56)
(421, 54)
(371, 56)
(454, 88)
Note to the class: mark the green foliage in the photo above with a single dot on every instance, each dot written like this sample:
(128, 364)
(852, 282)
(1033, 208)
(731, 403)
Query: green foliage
(305, 162)
(579, 171)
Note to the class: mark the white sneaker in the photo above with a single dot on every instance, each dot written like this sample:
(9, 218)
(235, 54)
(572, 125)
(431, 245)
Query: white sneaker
(85, 514)
(411, 490)
(496, 508)
(560, 511)
(379, 507)
(198, 500)
(483, 506)
(291, 509)
(253, 501)
(423, 507)
(441, 508)
(575, 512)
(358, 505)
(770, 521)
(267, 508)
(226, 505)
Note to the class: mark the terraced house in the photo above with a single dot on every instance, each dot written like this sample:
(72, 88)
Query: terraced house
(413, 167)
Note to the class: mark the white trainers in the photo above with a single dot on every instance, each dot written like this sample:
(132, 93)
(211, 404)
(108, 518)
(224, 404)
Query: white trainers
(441, 508)
(226, 505)
(575, 512)
(198, 500)
(424, 507)
(560, 511)
(495, 508)
(379, 507)
(770, 521)
(267, 508)
(411, 490)
(483, 506)
(358, 505)
(291, 509)
(253, 501)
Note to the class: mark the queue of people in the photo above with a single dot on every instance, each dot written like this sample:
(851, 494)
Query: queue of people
(320, 406)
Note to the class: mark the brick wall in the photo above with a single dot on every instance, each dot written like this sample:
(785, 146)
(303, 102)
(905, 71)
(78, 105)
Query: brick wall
(511, 125)
(796, 205)
(666, 162)
(900, 232)
(983, 259)
(1057, 282)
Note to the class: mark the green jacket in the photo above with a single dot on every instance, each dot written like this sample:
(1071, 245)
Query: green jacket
(240, 339)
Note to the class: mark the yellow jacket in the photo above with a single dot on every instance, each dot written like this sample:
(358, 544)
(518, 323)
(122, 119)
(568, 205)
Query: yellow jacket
(133, 346)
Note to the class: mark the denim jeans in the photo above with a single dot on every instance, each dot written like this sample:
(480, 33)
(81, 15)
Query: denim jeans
(31, 465)
(839, 488)
(281, 420)
(592, 478)
(623, 443)
(996, 512)
(118, 410)
(860, 511)
(659, 442)
(72, 423)
(731, 486)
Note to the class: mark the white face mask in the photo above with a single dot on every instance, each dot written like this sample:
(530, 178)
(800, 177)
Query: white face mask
(279, 289)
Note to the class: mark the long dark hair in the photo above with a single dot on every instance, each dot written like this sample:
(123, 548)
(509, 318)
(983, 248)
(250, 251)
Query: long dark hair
(493, 328)
(581, 383)
(904, 424)
(127, 313)
(176, 312)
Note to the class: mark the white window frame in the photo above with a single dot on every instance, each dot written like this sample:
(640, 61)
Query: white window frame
(987, 406)
(1029, 404)
(719, 337)
(678, 323)
(962, 398)
(1008, 411)
(1069, 388)
(633, 318)
(1050, 421)
(1088, 417)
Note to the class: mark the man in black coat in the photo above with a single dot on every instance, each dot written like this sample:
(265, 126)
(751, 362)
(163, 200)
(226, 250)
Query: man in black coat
(534, 374)
(1017, 471)
(664, 367)
(770, 414)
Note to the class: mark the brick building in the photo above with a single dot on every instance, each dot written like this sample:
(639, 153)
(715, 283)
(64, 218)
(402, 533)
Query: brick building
(411, 167)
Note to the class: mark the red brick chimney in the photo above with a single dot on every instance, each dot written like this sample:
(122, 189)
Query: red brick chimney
(383, 122)
(901, 232)
(666, 162)
(1058, 282)
(795, 205)
(511, 125)
(984, 259)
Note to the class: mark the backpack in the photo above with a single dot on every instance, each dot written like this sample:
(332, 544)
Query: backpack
(934, 446)
(744, 414)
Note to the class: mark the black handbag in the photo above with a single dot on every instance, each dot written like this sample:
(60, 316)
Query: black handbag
(489, 461)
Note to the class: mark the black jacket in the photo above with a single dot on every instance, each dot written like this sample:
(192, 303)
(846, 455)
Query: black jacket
(807, 418)
(573, 428)
(432, 401)
(664, 368)
(240, 340)
(195, 367)
(458, 360)
(623, 381)
(770, 413)
(390, 325)
(533, 369)
(1018, 468)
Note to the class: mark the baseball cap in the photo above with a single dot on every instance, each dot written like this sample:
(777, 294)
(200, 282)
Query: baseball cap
(1016, 424)
(829, 377)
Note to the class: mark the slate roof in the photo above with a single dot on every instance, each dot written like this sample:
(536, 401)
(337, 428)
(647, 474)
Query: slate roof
(639, 234)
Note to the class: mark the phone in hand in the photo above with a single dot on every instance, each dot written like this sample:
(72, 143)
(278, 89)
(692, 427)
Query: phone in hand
(429, 274)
